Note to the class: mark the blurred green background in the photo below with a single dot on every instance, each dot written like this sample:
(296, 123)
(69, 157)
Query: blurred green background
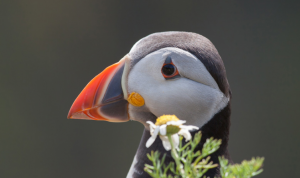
(49, 50)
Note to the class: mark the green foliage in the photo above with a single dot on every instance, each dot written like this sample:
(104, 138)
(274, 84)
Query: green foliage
(190, 164)
(245, 170)
(158, 169)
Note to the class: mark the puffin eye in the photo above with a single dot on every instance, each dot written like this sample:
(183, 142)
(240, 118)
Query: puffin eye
(169, 70)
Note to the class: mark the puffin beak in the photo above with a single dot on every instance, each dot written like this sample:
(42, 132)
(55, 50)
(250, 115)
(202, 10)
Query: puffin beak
(103, 97)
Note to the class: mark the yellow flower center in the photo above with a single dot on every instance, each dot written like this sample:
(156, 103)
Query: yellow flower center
(165, 118)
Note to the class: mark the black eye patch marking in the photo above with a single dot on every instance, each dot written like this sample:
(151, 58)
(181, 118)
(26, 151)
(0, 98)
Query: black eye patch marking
(168, 60)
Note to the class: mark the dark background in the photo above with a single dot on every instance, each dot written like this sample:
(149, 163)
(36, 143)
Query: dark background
(49, 50)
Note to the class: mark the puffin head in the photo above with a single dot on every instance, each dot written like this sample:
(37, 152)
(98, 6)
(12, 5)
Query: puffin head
(177, 73)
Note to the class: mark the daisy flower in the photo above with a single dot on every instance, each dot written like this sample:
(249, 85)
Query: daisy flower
(169, 125)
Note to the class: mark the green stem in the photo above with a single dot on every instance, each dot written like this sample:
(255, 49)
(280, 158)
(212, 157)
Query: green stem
(175, 156)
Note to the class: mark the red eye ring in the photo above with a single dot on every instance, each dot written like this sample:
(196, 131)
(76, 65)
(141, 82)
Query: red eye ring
(169, 71)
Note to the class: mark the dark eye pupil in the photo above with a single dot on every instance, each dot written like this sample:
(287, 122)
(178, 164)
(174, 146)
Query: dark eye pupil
(168, 69)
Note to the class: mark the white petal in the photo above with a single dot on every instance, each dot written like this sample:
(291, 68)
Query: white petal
(152, 130)
(189, 127)
(150, 142)
(165, 142)
(155, 133)
(152, 138)
(175, 139)
(152, 126)
(182, 121)
(150, 123)
(186, 134)
(163, 130)
(165, 138)
(176, 122)
(173, 123)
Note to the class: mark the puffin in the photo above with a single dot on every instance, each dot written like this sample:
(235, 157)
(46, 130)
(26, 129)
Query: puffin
(175, 73)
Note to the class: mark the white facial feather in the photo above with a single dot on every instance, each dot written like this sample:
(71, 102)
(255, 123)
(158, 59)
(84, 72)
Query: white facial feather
(194, 97)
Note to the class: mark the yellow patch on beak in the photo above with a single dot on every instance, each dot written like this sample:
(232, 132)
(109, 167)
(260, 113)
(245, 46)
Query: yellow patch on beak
(136, 99)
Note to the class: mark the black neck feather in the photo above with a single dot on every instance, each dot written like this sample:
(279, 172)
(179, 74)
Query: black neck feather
(217, 127)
